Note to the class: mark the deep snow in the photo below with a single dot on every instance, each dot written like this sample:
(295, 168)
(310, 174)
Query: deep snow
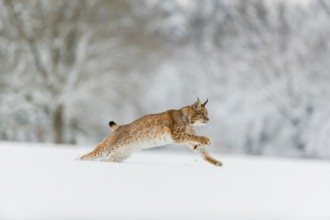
(39, 181)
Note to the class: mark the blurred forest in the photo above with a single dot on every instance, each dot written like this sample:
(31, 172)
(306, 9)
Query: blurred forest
(69, 67)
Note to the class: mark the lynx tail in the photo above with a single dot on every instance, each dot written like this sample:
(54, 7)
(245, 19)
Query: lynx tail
(113, 125)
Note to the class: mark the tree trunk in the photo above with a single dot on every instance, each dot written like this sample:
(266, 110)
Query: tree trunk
(59, 124)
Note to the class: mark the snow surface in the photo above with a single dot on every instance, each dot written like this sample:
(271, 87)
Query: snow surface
(39, 182)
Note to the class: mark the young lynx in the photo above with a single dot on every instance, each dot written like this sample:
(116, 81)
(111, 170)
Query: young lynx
(172, 126)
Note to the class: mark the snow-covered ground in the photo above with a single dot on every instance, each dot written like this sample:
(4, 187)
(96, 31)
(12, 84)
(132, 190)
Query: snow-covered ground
(39, 182)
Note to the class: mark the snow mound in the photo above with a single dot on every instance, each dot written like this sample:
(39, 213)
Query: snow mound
(40, 182)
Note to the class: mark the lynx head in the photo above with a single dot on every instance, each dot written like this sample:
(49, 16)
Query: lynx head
(199, 115)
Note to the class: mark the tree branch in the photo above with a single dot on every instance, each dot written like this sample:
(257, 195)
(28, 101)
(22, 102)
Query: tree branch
(30, 40)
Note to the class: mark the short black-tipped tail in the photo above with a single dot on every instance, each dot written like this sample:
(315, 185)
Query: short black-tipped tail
(113, 125)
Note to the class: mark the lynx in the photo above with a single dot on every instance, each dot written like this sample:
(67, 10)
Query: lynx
(172, 126)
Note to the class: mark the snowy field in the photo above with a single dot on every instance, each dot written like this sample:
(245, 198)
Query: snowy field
(43, 182)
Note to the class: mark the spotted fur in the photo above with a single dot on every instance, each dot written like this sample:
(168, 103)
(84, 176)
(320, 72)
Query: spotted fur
(172, 126)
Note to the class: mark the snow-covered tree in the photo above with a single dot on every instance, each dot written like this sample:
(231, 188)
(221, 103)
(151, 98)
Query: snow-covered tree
(62, 54)
(69, 67)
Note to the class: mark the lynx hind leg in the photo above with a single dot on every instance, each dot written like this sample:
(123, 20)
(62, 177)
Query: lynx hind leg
(94, 155)
(119, 155)
(201, 150)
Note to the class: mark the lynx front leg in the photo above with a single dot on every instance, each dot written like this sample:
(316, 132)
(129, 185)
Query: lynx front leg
(186, 138)
(201, 150)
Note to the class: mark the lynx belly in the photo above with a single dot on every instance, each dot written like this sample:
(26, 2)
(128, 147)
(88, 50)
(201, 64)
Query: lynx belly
(154, 141)
(124, 151)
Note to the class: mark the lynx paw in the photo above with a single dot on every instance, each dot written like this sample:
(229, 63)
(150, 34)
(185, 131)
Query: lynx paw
(218, 164)
(205, 141)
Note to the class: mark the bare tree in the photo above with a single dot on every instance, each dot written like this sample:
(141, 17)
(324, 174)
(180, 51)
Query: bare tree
(74, 49)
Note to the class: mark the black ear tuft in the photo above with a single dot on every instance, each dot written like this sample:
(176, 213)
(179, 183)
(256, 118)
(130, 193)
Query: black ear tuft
(197, 104)
(112, 123)
(205, 102)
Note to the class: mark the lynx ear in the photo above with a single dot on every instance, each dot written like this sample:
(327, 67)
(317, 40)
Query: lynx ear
(197, 104)
(205, 102)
